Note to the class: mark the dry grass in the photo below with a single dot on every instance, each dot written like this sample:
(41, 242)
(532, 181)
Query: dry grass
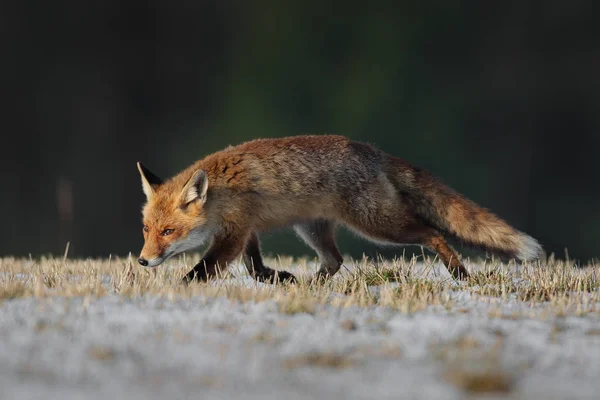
(323, 360)
(489, 380)
(397, 284)
(101, 353)
(475, 368)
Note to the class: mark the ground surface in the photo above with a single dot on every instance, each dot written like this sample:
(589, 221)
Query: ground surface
(100, 329)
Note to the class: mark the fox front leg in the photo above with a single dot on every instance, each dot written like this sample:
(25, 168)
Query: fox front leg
(256, 267)
(223, 250)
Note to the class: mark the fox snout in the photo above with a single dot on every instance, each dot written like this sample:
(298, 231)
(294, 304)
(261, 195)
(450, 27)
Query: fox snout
(150, 263)
(151, 255)
(154, 262)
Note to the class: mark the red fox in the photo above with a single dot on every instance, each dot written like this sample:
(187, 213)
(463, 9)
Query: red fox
(315, 183)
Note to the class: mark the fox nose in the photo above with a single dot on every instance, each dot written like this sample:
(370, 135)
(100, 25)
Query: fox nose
(143, 262)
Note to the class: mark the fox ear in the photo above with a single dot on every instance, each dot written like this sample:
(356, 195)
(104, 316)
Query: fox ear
(195, 189)
(149, 180)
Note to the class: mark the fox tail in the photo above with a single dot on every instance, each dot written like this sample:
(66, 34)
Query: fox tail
(454, 214)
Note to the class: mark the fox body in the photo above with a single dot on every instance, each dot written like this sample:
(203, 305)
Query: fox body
(315, 183)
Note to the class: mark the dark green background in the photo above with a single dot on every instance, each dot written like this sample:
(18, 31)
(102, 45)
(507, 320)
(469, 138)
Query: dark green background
(499, 99)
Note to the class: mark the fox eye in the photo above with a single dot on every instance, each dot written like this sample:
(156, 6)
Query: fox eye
(166, 232)
(146, 229)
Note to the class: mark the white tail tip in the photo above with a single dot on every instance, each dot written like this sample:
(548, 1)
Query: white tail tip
(529, 248)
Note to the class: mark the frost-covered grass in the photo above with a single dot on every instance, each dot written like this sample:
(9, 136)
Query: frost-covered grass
(392, 329)
(557, 287)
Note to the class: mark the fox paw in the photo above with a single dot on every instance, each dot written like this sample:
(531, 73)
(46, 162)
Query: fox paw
(272, 276)
(193, 276)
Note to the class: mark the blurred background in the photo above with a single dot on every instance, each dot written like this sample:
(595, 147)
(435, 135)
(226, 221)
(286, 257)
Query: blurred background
(501, 100)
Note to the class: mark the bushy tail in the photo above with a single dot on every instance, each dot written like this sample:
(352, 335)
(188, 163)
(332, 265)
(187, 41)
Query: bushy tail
(452, 213)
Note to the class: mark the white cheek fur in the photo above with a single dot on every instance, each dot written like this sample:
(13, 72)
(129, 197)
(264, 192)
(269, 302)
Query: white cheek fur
(195, 238)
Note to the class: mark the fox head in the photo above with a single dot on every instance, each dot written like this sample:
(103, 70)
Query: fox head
(174, 217)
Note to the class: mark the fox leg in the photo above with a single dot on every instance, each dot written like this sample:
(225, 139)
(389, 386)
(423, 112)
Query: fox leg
(256, 267)
(320, 235)
(224, 248)
(406, 229)
(437, 243)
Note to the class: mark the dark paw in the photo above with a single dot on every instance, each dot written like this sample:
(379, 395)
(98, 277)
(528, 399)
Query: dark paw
(193, 276)
(186, 280)
(461, 276)
(320, 278)
(272, 276)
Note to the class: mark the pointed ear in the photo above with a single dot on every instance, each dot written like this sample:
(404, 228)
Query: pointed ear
(195, 188)
(149, 180)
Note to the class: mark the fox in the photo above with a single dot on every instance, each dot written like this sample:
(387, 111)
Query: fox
(314, 183)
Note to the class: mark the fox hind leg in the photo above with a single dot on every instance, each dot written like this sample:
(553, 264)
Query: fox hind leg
(448, 256)
(406, 229)
(320, 235)
(257, 269)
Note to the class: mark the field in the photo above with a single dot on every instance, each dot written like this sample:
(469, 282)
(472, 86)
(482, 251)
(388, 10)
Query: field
(390, 329)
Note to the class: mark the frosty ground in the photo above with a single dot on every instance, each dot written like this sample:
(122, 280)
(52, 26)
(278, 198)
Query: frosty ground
(239, 339)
